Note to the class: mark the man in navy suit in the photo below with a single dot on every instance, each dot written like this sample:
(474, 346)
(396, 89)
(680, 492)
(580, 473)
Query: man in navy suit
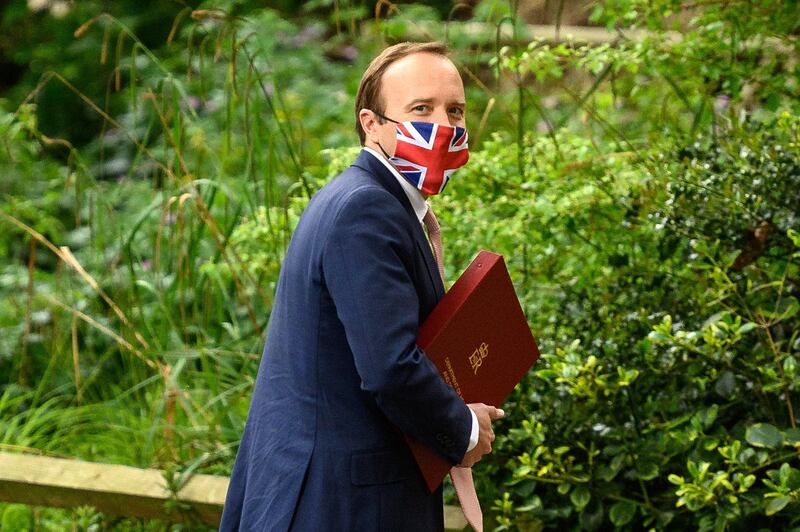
(341, 377)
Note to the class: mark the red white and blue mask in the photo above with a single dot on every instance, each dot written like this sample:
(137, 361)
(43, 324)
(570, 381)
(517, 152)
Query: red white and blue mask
(427, 154)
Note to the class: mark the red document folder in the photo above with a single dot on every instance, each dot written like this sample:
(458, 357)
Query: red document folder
(479, 339)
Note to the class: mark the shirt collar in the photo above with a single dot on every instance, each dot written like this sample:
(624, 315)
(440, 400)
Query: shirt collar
(418, 202)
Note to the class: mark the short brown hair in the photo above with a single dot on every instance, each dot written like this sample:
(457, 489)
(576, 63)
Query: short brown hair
(369, 90)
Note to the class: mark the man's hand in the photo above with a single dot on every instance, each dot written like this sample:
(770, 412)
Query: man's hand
(485, 414)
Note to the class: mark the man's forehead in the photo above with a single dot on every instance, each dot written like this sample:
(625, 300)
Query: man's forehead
(422, 76)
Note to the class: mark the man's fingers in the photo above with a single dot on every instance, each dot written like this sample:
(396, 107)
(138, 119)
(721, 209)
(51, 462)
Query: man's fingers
(496, 413)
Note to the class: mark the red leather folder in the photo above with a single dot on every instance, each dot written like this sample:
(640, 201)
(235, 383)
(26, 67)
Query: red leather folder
(479, 339)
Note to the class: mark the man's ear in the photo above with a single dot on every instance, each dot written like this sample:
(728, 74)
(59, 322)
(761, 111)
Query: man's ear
(369, 123)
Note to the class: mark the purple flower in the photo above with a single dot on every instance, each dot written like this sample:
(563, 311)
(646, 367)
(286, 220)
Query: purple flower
(212, 105)
(543, 127)
(146, 264)
(721, 103)
(349, 53)
(308, 33)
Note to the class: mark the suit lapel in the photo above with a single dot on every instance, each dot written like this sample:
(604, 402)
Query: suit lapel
(366, 161)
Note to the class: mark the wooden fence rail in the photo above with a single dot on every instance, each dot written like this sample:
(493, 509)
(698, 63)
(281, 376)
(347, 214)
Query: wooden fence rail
(486, 33)
(489, 33)
(121, 490)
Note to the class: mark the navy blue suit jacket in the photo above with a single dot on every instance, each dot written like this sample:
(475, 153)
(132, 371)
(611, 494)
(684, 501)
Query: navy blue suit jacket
(341, 373)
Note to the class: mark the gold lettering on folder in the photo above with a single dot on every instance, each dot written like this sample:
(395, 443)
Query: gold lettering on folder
(450, 377)
(477, 356)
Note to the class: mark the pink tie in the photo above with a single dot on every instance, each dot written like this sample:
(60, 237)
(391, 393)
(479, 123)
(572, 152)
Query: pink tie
(461, 476)
(435, 236)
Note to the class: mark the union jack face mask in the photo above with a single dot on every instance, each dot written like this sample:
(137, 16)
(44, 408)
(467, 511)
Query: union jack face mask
(427, 154)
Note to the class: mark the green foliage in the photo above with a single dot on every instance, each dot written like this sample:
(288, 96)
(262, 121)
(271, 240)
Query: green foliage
(679, 363)
(643, 192)
(17, 517)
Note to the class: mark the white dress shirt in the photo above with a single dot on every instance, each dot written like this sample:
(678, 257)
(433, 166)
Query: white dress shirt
(420, 206)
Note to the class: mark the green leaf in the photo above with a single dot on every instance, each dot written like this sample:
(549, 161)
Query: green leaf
(646, 470)
(592, 517)
(580, 497)
(790, 366)
(787, 308)
(777, 504)
(606, 473)
(710, 415)
(658, 336)
(626, 376)
(792, 436)
(622, 512)
(764, 435)
(715, 318)
(784, 472)
(795, 236)
(692, 468)
(726, 384)
(547, 374)
(534, 505)
(747, 327)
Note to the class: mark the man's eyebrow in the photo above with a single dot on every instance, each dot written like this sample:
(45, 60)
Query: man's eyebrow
(417, 101)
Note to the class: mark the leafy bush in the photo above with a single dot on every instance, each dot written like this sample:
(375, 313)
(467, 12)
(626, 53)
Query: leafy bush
(666, 394)
(644, 193)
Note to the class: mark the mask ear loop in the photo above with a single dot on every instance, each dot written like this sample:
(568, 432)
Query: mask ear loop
(390, 120)
(388, 157)
(384, 117)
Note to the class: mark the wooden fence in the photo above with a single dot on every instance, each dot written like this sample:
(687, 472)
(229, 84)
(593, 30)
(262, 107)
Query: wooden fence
(123, 490)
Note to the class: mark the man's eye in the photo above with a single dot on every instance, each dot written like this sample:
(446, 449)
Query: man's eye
(421, 108)
(457, 111)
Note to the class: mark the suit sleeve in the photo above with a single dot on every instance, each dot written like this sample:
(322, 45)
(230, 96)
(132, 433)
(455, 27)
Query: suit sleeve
(365, 266)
